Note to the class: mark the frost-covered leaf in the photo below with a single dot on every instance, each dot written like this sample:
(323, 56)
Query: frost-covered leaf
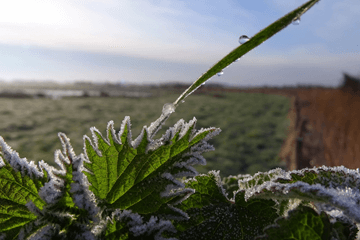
(334, 186)
(71, 211)
(20, 182)
(38, 204)
(214, 216)
(141, 175)
(302, 223)
(256, 214)
(344, 230)
(250, 182)
(305, 223)
(74, 186)
(231, 183)
(128, 225)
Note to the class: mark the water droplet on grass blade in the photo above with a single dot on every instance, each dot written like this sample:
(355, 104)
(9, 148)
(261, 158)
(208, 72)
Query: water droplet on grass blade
(220, 73)
(296, 21)
(168, 108)
(243, 39)
(237, 60)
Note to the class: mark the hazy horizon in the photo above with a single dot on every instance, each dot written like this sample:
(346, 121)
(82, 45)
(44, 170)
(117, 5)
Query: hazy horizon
(34, 82)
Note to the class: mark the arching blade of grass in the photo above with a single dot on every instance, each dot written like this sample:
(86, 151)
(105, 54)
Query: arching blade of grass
(246, 47)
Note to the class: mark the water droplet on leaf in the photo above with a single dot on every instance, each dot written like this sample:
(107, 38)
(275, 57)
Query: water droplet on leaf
(168, 108)
(237, 60)
(243, 39)
(220, 73)
(296, 21)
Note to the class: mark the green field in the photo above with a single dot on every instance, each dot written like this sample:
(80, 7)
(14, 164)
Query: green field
(253, 125)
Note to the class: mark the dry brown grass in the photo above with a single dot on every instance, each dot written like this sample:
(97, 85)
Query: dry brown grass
(335, 115)
(324, 128)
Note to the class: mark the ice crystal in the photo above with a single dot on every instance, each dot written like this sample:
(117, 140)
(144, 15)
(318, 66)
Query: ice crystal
(138, 227)
(19, 164)
(328, 184)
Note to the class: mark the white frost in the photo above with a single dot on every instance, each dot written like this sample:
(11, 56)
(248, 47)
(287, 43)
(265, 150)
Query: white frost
(338, 194)
(138, 140)
(17, 163)
(138, 227)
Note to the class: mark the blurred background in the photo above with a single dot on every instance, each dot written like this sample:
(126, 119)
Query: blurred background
(66, 66)
(157, 41)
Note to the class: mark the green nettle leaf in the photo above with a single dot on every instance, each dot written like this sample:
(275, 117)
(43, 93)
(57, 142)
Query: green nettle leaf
(255, 214)
(335, 186)
(140, 175)
(305, 223)
(49, 199)
(128, 225)
(343, 229)
(231, 183)
(20, 183)
(121, 188)
(302, 223)
(214, 216)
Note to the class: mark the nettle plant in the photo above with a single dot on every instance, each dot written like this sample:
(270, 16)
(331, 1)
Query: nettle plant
(147, 188)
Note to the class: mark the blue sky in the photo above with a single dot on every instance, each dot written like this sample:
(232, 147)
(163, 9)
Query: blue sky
(156, 41)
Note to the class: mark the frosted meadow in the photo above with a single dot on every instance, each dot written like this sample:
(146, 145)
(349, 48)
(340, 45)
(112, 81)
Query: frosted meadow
(125, 187)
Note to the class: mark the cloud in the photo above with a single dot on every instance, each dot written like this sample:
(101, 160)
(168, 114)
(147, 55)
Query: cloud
(158, 40)
(168, 30)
